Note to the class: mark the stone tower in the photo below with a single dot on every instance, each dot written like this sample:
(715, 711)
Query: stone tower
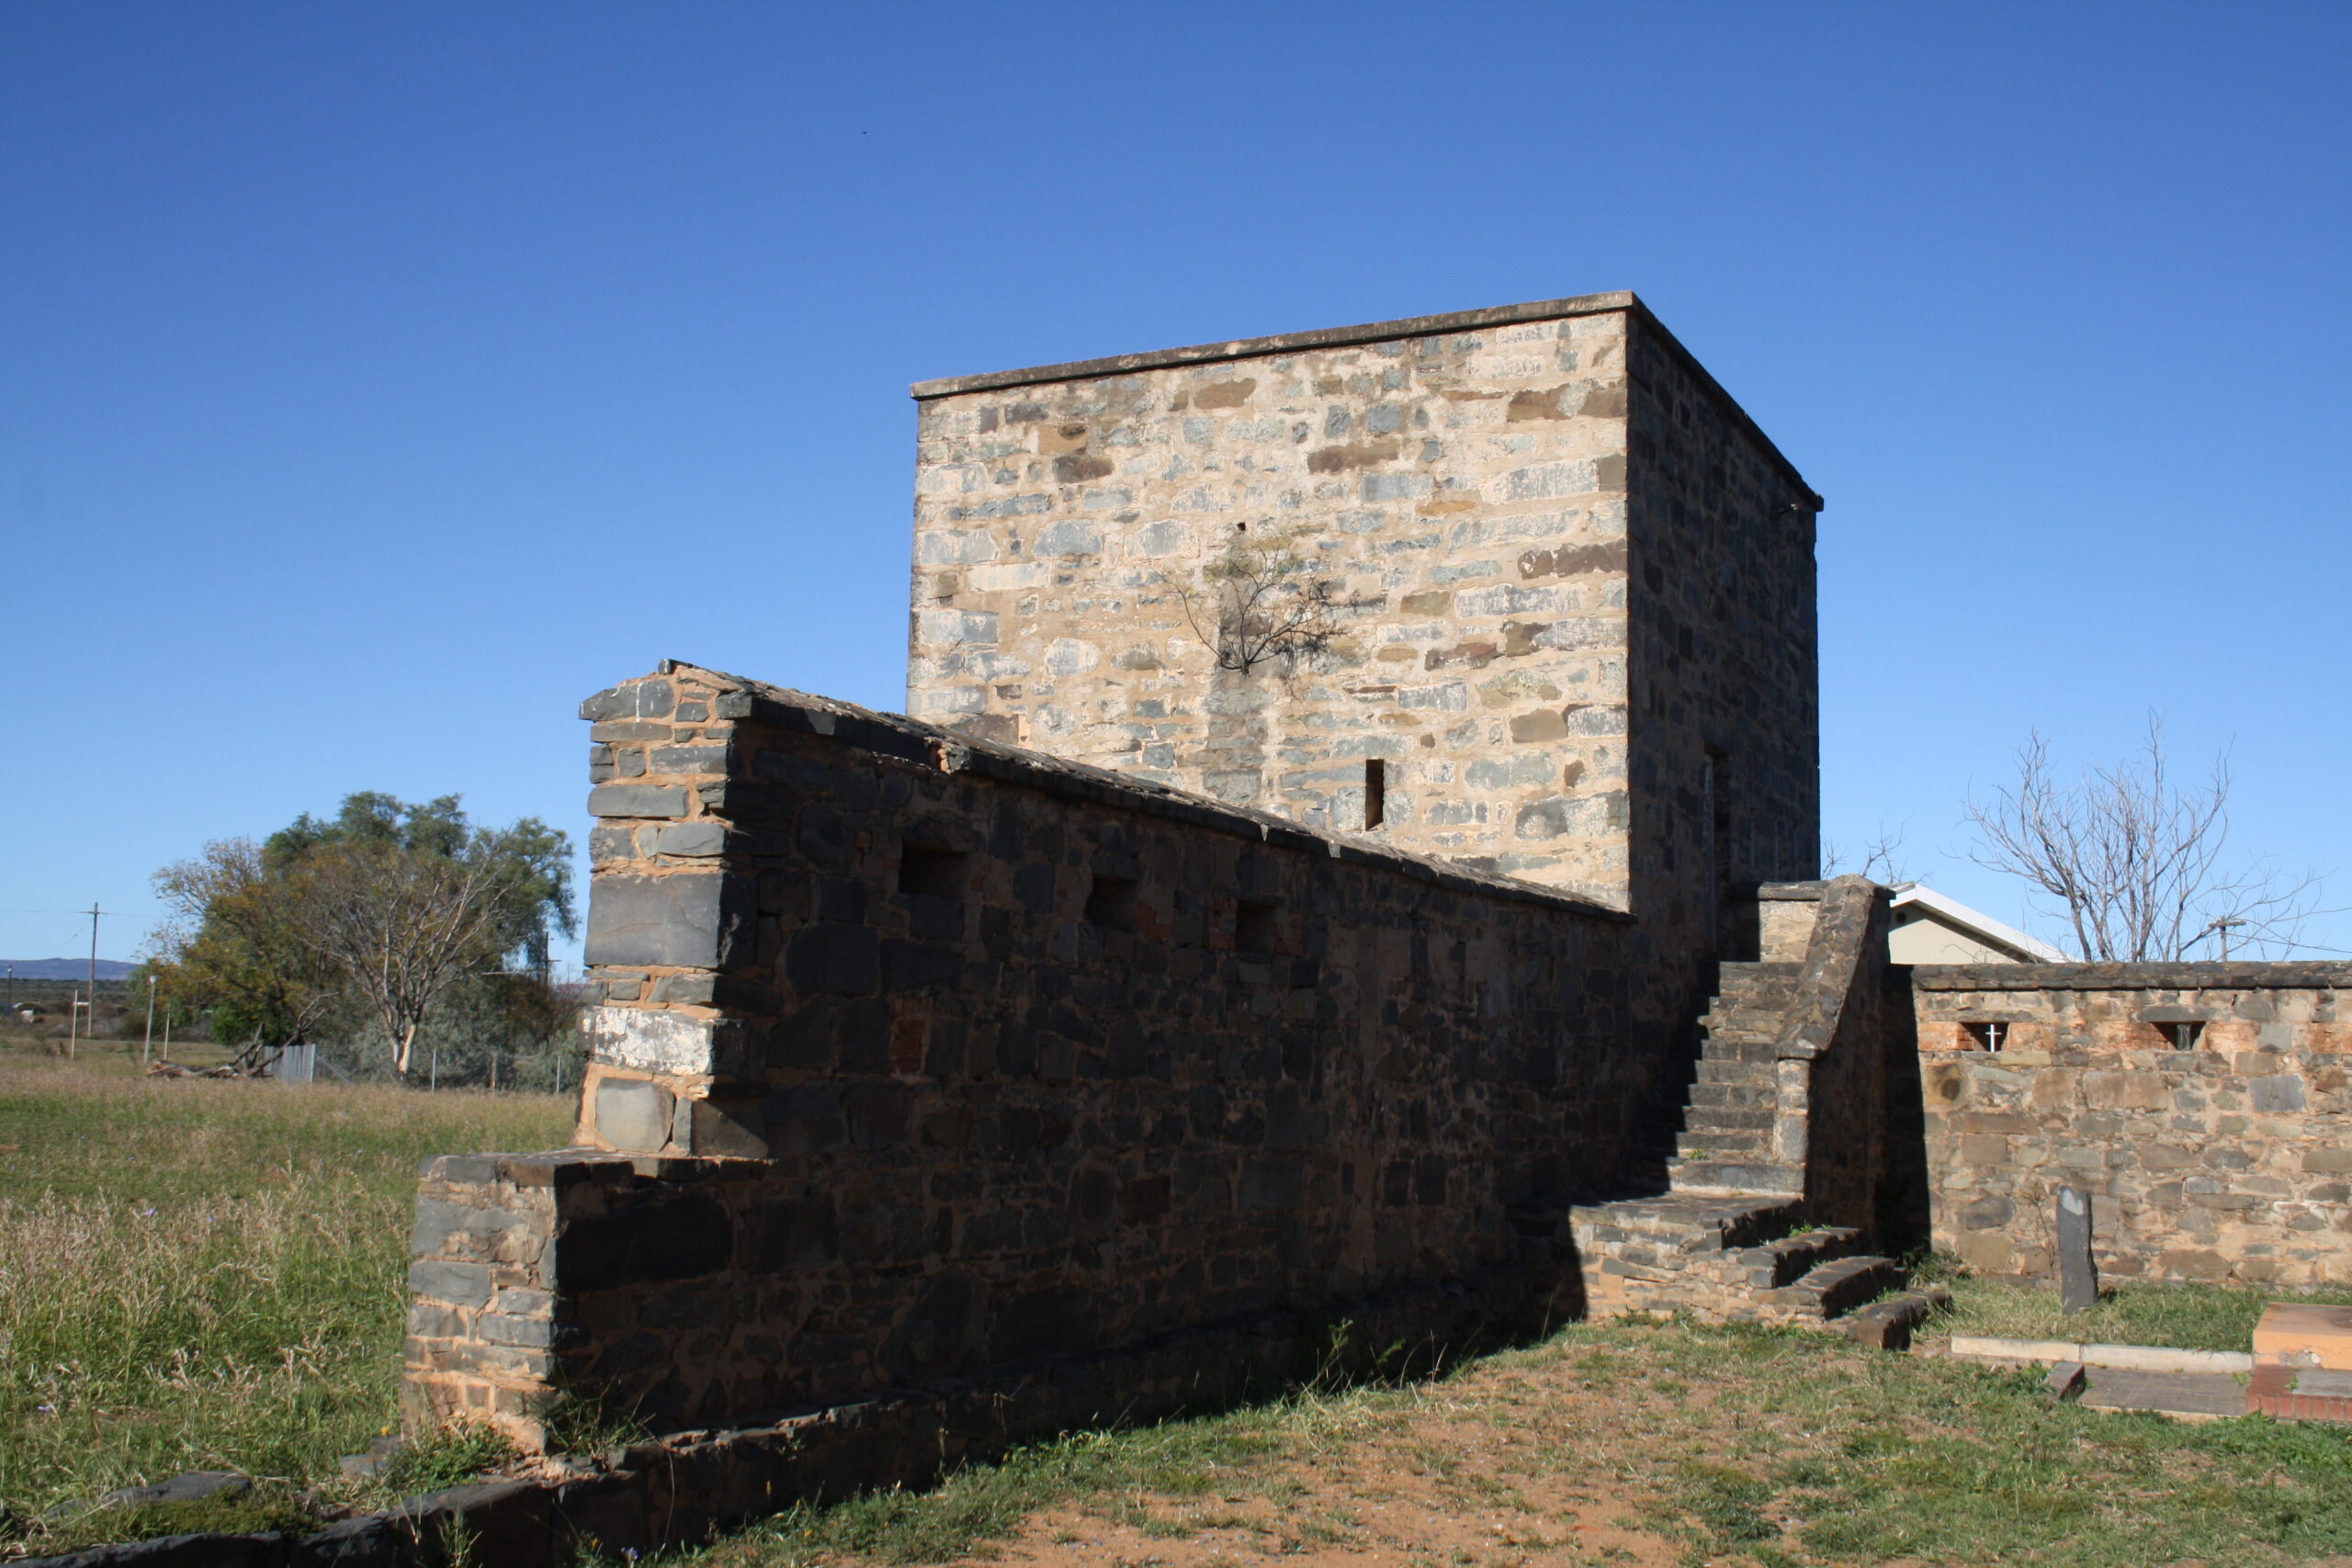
(1567, 628)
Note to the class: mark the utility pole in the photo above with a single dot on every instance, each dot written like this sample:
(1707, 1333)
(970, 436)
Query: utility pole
(93, 962)
(2224, 925)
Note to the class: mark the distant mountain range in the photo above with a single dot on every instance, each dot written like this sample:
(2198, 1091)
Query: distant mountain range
(65, 968)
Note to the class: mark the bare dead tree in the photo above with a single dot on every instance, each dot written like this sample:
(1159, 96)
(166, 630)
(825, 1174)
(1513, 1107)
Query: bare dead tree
(1258, 601)
(1880, 859)
(2137, 862)
(406, 925)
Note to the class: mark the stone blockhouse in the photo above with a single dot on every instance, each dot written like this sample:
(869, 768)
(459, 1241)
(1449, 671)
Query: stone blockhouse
(1094, 1042)
(1573, 638)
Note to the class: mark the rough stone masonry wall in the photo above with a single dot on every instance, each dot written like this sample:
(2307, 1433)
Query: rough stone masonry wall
(924, 1059)
(1724, 693)
(1464, 488)
(2229, 1160)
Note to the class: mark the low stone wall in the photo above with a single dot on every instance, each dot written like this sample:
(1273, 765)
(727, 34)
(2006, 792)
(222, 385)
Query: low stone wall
(2227, 1159)
(919, 1058)
(1844, 1065)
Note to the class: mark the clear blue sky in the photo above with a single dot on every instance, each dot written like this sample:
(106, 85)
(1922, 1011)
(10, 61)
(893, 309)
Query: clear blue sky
(376, 381)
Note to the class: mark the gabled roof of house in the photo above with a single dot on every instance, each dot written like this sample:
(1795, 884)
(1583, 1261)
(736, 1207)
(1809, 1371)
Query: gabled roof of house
(1952, 912)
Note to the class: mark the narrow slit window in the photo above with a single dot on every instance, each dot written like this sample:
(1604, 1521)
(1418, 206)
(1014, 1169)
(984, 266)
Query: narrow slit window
(1111, 903)
(1376, 791)
(2182, 1034)
(1988, 1036)
(1254, 928)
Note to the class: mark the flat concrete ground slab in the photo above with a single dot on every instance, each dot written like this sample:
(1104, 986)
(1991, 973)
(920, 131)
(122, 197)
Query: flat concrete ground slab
(2197, 1396)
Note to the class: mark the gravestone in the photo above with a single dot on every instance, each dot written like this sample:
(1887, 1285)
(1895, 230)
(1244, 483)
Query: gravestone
(2077, 1275)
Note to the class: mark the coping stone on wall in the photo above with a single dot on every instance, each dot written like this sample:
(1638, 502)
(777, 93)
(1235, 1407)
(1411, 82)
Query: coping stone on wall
(908, 740)
(2234, 977)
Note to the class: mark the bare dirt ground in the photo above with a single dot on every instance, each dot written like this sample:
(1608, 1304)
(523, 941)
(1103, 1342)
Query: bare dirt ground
(1645, 1445)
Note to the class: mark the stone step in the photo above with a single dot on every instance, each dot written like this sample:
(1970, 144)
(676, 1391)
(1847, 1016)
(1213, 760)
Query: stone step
(1759, 1049)
(1792, 1258)
(1738, 1146)
(1887, 1325)
(1728, 1014)
(1760, 977)
(1731, 1071)
(1832, 1289)
(1731, 1118)
(1705, 1221)
(1760, 968)
(1740, 1096)
(1726, 1177)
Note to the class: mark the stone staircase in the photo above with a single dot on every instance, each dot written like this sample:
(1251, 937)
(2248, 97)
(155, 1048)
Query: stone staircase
(1726, 1140)
(1728, 1241)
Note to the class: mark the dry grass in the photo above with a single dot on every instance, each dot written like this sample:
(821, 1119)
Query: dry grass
(209, 1274)
(1631, 1444)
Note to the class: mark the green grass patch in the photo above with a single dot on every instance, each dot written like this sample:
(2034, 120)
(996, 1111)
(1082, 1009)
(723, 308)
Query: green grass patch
(2188, 1317)
(451, 1457)
(248, 1515)
(206, 1275)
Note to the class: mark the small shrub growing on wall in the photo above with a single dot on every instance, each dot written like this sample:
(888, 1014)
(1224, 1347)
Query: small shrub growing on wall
(1261, 600)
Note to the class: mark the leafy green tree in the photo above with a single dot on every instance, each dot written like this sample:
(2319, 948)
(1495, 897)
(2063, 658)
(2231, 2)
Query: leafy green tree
(231, 941)
(391, 906)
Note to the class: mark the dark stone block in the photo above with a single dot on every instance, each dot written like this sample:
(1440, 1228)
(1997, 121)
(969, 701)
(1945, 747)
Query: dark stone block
(933, 920)
(825, 835)
(697, 920)
(466, 1170)
(911, 966)
(690, 759)
(1042, 1322)
(728, 1128)
(1278, 1182)
(1032, 888)
(436, 1222)
(1094, 1202)
(372, 1540)
(940, 1332)
(800, 1233)
(877, 1114)
(1428, 1180)
(613, 702)
(841, 898)
(680, 1238)
(828, 957)
(637, 800)
(1143, 1200)
(463, 1284)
